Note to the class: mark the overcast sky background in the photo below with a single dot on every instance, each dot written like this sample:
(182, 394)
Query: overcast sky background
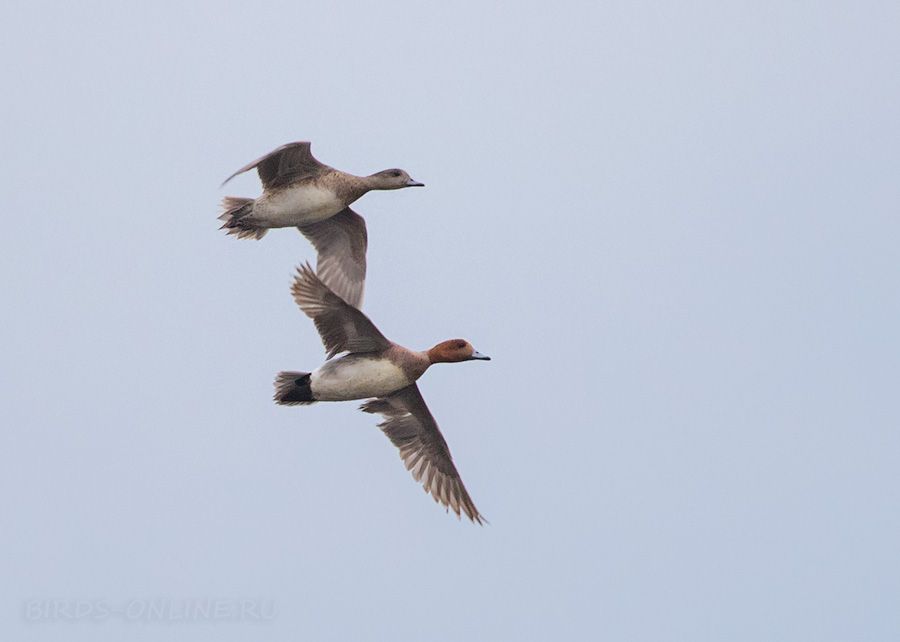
(673, 226)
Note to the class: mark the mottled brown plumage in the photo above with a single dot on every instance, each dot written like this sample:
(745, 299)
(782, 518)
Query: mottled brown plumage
(301, 192)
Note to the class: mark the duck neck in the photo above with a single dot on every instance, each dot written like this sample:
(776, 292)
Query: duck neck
(352, 187)
(414, 363)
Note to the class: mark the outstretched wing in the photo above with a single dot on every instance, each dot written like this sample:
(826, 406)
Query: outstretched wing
(341, 243)
(411, 428)
(342, 327)
(287, 164)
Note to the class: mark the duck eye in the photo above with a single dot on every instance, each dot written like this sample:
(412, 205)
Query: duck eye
(395, 173)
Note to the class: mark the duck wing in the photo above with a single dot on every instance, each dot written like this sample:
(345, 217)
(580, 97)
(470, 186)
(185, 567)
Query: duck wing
(341, 242)
(288, 164)
(342, 327)
(412, 429)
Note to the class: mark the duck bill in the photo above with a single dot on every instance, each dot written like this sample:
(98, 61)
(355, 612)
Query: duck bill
(412, 183)
(479, 356)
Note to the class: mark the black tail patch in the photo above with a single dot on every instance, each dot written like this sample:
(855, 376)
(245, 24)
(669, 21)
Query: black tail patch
(293, 388)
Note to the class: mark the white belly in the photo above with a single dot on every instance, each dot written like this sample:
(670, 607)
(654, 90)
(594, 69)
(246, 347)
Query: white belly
(296, 206)
(357, 377)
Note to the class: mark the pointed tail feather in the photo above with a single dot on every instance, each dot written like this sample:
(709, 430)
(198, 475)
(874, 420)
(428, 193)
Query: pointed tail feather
(293, 389)
(235, 214)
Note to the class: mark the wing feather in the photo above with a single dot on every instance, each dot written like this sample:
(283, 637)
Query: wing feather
(412, 429)
(288, 164)
(341, 243)
(342, 327)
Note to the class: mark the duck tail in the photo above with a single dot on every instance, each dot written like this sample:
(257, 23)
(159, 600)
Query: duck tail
(293, 389)
(235, 214)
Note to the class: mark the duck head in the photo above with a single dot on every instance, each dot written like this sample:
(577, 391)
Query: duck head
(454, 350)
(392, 179)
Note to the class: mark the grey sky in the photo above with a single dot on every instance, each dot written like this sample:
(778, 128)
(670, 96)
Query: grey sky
(673, 226)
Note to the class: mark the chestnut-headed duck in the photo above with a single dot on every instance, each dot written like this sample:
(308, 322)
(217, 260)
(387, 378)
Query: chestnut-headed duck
(299, 191)
(379, 368)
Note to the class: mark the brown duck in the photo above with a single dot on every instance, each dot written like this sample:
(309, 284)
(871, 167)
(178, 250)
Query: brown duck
(301, 192)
